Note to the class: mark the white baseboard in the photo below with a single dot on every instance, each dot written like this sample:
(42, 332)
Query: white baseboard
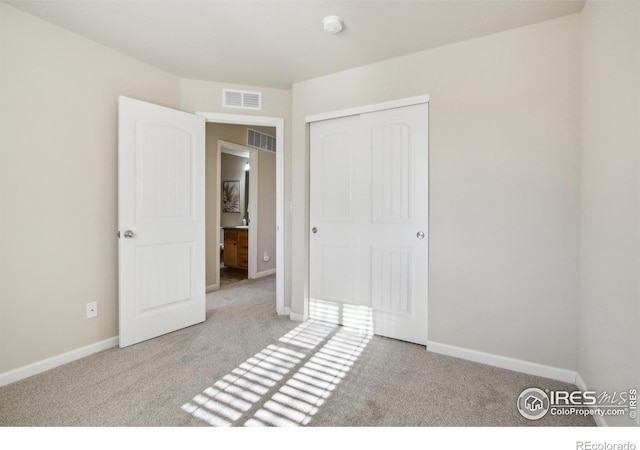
(600, 421)
(530, 368)
(265, 273)
(55, 361)
(296, 317)
(580, 383)
(212, 287)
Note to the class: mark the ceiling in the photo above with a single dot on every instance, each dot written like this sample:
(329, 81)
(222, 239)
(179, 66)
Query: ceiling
(275, 43)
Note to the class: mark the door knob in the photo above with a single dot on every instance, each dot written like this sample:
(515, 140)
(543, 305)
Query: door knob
(314, 230)
(420, 235)
(129, 234)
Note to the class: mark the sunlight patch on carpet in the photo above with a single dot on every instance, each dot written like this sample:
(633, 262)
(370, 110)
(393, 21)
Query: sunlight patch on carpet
(285, 384)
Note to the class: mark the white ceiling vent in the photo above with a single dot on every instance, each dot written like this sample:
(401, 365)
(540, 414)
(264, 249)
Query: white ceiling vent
(232, 98)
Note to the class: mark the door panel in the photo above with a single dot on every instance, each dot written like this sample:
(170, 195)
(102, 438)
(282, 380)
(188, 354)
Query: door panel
(165, 161)
(397, 282)
(337, 178)
(391, 280)
(337, 280)
(391, 173)
(163, 276)
(161, 201)
(333, 193)
(385, 166)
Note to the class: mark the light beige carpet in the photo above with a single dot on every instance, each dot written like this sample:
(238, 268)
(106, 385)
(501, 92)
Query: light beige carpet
(247, 366)
(229, 275)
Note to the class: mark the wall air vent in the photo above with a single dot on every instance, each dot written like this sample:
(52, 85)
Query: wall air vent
(232, 98)
(261, 140)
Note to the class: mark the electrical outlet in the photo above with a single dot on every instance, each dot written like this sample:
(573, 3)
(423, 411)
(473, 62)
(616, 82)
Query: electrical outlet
(266, 257)
(92, 309)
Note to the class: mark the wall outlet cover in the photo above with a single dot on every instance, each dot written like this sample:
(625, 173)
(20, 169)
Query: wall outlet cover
(92, 309)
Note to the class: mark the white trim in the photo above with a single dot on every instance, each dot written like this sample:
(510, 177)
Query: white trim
(518, 365)
(278, 123)
(235, 149)
(213, 287)
(600, 420)
(580, 383)
(238, 119)
(368, 108)
(296, 317)
(254, 212)
(55, 361)
(264, 273)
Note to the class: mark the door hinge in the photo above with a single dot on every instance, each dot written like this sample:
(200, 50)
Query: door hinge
(118, 234)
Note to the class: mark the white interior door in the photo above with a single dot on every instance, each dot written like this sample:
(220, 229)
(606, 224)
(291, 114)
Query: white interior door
(369, 217)
(160, 220)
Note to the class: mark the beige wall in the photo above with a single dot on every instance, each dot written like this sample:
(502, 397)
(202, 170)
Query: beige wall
(504, 141)
(58, 184)
(58, 180)
(609, 349)
(266, 207)
(267, 211)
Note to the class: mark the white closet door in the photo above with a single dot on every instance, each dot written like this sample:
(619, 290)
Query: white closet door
(369, 217)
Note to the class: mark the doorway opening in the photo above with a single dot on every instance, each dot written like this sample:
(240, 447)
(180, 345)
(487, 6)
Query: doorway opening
(238, 219)
(264, 225)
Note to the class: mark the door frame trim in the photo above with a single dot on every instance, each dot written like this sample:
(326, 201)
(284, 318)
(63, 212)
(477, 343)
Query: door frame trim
(400, 103)
(278, 124)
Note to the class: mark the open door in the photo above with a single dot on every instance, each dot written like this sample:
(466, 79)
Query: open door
(160, 220)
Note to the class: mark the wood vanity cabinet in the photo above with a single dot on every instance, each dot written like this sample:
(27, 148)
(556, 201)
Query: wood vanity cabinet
(236, 248)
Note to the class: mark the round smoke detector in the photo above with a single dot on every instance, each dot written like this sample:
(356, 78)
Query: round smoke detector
(332, 24)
